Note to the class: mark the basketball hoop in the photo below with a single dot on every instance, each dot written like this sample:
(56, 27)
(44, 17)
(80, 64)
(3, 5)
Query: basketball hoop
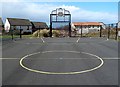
(60, 13)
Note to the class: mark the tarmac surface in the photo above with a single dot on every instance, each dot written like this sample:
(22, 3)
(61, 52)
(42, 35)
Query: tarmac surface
(60, 61)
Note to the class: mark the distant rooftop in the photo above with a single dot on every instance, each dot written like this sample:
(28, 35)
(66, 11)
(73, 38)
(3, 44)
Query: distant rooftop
(19, 22)
(86, 23)
(40, 24)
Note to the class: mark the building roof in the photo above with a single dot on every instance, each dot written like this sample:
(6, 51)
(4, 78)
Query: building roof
(19, 22)
(86, 23)
(39, 24)
(1, 22)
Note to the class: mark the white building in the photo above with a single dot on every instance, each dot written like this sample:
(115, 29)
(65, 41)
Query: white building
(87, 26)
(17, 24)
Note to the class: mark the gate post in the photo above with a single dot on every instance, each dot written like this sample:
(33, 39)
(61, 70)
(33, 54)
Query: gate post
(20, 32)
(116, 31)
(50, 25)
(12, 34)
(100, 31)
(81, 30)
(69, 29)
(108, 31)
(70, 26)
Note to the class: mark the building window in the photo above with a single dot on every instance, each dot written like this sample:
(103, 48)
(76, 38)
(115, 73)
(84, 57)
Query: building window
(93, 26)
(89, 26)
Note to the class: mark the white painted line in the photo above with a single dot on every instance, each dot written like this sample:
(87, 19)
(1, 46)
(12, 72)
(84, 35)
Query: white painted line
(61, 51)
(59, 58)
(78, 40)
(28, 43)
(42, 40)
(33, 43)
(61, 73)
(107, 39)
(111, 58)
(8, 58)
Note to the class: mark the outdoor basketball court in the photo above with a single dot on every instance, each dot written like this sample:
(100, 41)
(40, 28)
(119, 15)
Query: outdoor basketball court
(60, 61)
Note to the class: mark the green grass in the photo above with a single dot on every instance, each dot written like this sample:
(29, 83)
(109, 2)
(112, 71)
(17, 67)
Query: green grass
(15, 36)
(119, 39)
(97, 34)
(27, 36)
(5, 36)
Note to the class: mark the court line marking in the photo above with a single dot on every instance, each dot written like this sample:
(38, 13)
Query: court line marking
(29, 42)
(95, 42)
(9, 58)
(42, 40)
(78, 40)
(59, 58)
(61, 73)
(32, 43)
(92, 42)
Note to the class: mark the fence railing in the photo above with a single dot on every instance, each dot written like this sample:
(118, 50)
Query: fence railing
(110, 31)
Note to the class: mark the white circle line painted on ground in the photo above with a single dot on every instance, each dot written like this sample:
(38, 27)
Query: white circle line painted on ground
(59, 58)
(61, 51)
(61, 73)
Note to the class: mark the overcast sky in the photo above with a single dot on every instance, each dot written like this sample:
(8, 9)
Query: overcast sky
(106, 12)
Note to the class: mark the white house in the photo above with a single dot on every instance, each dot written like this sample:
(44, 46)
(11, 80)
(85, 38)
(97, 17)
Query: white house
(87, 26)
(17, 24)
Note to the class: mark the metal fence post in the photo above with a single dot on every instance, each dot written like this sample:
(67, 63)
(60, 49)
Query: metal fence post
(50, 25)
(116, 31)
(20, 32)
(12, 34)
(108, 31)
(70, 26)
(100, 31)
(81, 30)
